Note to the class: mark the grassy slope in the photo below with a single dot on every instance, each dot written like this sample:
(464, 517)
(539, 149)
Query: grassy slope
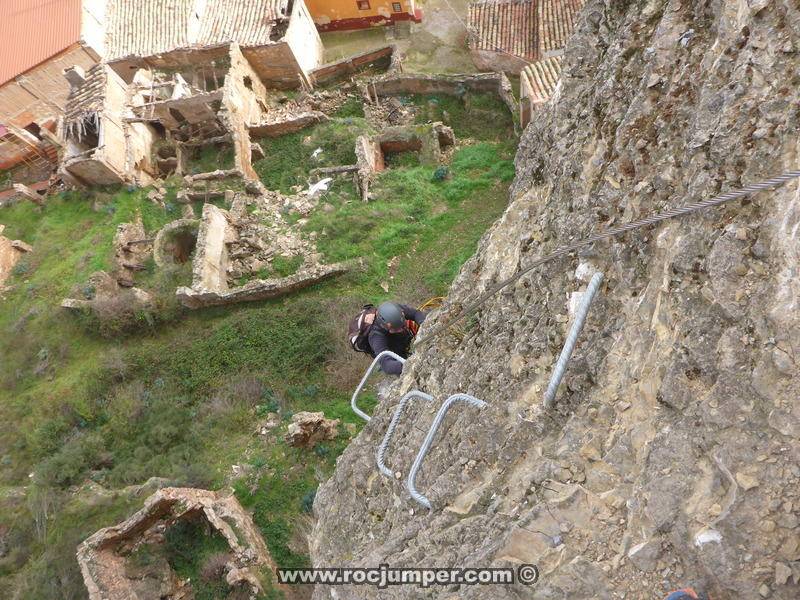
(182, 399)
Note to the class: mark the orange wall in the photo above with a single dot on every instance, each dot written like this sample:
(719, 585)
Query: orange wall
(325, 11)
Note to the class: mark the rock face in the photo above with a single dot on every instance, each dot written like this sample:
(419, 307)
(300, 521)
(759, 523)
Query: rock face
(115, 565)
(671, 456)
(308, 428)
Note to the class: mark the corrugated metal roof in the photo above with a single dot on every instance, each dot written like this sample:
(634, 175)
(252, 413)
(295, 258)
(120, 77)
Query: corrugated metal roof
(35, 30)
(145, 28)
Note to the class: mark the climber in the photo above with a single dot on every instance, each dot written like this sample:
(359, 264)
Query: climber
(391, 326)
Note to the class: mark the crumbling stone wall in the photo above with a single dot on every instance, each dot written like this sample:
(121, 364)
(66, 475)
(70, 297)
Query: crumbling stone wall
(671, 456)
(211, 257)
(244, 90)
(303, 39)
(454, 85)
(277, 64)
(232, 244)
(105, 556)
(381, 58)
(123, 153)
(428, 140)
(241, 107)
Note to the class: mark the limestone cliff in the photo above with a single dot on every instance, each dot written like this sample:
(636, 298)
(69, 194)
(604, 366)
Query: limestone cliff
(672, 456)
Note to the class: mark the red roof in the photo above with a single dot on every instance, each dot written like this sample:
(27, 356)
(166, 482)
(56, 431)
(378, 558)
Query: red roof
(35, 30)
(3, 130)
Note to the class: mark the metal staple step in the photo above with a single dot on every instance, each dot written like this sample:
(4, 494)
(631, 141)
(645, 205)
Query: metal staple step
(572, 338)
(393, 425)
(426, 445)
(375, 362)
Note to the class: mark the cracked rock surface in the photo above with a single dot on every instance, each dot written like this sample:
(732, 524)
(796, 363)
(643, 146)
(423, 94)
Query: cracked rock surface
(672, 457)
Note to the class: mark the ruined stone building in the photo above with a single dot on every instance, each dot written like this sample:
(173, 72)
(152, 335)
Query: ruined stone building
(525, 37)
(277, 37)
(333, 15)
(40, 39)
(148, 129)
(181, 75)
(100, 146)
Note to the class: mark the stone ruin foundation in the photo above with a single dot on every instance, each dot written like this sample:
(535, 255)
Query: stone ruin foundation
(112, 563)
(244, 242)
(428, 140)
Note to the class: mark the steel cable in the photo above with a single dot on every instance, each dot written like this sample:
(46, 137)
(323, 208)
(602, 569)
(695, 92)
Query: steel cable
(608, 233)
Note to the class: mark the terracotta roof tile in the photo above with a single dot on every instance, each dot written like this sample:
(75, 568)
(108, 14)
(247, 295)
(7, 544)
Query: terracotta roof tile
(87, 98)
(542, 76)
(524, 28)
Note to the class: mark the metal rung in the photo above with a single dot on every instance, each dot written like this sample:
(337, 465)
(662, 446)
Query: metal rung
(377, 359)
(426, 445)
(572, 338)
(393, 425)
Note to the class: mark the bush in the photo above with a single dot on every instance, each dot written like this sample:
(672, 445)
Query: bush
(67, 466)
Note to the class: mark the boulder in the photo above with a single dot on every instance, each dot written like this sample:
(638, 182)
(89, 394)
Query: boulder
(309, 428)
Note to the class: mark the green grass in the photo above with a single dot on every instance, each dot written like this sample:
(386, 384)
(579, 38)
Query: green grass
(205, 159)
(180, 397)
(288, 159)
(187, 545)
(352, 107)
(412, 207)
(286, 265)
(476, 116)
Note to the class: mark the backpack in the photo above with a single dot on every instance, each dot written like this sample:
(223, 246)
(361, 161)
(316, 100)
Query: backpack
(358, 330)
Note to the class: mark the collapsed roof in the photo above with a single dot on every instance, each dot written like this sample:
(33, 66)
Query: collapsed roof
(85, 101)
(144, 29)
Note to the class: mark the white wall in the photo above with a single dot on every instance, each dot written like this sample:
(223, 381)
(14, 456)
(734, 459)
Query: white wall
(303, 38)
(93, 25)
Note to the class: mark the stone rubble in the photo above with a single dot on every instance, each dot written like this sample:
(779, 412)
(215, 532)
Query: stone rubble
(131, 250)
(10, 253)
(242, 243)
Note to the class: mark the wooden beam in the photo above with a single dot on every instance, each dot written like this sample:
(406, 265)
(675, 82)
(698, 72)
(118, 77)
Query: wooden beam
(24, 190)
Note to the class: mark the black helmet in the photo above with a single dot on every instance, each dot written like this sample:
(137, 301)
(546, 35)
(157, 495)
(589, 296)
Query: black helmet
(390, 316)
